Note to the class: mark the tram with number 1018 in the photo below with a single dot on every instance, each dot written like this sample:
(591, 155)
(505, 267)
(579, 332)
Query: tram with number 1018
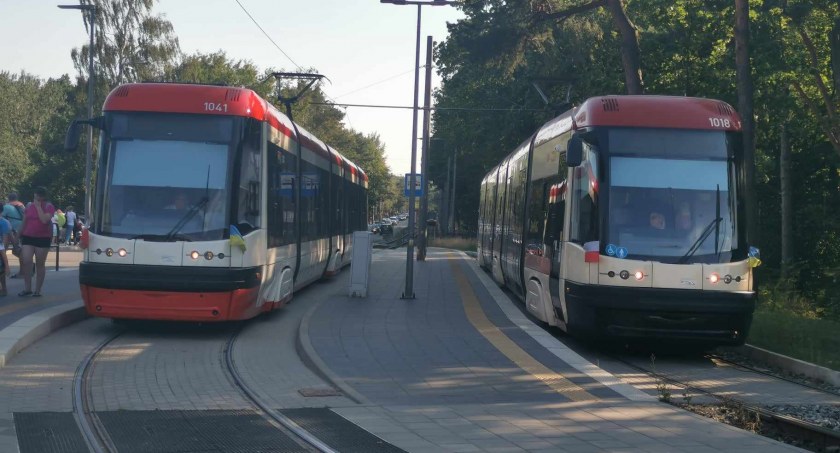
(211, 205)
(625, 218)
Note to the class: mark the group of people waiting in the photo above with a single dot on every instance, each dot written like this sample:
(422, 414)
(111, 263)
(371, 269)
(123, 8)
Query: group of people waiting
(29, 230)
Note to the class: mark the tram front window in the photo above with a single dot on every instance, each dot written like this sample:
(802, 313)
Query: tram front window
(160, 188)
(671, 197)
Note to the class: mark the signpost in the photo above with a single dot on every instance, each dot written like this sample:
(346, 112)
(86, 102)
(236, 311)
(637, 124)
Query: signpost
(418, 185)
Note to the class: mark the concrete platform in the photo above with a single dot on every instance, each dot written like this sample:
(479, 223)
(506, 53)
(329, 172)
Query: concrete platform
(459, 368)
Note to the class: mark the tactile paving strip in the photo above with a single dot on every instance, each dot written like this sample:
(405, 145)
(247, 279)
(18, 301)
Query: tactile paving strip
(338, 432)
(194, 431)
(48, 432)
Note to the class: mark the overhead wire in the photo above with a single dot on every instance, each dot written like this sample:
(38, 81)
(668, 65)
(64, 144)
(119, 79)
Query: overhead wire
(379, 82)
(299, 67)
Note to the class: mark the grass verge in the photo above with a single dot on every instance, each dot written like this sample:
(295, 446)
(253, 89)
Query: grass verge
(464, 244)
(812, 340)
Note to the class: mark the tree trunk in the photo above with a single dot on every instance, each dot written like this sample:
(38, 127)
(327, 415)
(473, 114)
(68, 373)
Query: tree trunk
(835, 56)
(630, 53)
(787, 204)
(745, 108)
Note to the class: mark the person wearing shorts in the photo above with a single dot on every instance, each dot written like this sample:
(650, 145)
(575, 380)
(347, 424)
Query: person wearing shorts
(5, 234)
(36, 238)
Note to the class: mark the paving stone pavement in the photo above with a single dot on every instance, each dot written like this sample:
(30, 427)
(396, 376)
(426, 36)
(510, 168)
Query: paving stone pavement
(435, 384)
(432, 382)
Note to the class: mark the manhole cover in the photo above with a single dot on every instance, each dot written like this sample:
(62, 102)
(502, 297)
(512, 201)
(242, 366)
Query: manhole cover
(319, 391)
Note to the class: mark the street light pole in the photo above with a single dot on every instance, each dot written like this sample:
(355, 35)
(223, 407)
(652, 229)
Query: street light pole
(91, 80)
(408, 293)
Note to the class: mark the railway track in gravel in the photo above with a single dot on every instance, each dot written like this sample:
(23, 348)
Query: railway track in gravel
(810, 434)
(98, 440)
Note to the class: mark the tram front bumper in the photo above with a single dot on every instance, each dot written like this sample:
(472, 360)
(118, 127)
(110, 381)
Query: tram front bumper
(169, 293)
(711, 317)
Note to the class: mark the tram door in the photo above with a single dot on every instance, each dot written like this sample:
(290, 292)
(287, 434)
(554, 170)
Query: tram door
(499, 224)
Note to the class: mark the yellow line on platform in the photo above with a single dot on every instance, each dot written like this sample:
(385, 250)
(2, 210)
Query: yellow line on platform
(511, 350)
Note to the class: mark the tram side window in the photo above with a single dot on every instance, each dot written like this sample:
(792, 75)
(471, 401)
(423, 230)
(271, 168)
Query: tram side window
(248, 192)
(584, 221)
(335, 188)
(309, 189)
(281, 220)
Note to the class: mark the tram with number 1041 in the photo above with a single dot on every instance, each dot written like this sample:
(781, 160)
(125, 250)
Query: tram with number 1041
(211, 205)
(624, 218)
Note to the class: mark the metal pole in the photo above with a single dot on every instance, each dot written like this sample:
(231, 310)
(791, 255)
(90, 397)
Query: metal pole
(454, 183)
(444, 200)
(89, 154)
(424, 199)
(409, 265)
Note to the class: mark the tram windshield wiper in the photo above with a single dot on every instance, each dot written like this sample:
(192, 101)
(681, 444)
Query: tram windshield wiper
(189, 215)
(703, 236)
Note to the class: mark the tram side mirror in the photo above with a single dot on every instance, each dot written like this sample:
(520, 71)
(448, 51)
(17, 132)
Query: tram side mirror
(71, 141)
(74, 131)
(574, 152)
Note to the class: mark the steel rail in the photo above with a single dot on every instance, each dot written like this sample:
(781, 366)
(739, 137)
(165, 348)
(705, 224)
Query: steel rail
(95, 435)
(280, 421)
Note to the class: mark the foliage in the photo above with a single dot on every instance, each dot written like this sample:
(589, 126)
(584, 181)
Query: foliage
(811, 340)
(34, 114)
(131, 43)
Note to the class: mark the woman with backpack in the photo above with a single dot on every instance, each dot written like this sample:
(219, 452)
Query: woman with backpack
(13, 212)
(36, 235)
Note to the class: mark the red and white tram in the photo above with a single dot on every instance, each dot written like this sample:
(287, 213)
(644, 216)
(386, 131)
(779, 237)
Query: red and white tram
(624, 218)
(212, 205)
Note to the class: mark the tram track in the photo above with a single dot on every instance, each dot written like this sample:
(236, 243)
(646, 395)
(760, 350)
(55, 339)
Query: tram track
(94, 434)
(279, 421)
(720, 358)
(812, 434)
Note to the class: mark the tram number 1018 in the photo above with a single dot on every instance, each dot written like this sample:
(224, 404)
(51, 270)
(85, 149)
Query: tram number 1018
(214, 107)
(719, 122)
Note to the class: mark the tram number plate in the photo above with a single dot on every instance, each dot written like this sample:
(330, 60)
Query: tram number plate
(215, 107)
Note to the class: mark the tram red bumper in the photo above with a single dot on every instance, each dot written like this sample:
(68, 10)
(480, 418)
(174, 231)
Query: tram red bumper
(171, 305)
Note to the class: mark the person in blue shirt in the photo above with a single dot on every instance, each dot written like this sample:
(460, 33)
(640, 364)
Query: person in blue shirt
(5, 239)
(13, 212)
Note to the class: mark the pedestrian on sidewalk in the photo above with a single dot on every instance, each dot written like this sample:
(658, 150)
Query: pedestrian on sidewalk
(70, 215)
(13, 212)
(36, 235)
(5, 235)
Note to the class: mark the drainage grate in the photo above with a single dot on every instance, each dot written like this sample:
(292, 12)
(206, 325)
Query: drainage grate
(194, 431)
(337, 432)
(48, 432)
(314, 392)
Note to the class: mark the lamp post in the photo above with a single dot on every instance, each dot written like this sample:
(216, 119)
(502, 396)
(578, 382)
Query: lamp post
(90, 8)
(408, 293)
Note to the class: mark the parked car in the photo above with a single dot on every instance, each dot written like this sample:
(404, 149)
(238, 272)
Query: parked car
(387, 227)
(374, 228)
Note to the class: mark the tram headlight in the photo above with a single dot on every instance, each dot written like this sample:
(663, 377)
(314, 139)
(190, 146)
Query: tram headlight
(109, 252)
(208, 255)
(639, 275)
(714, 278)
(727, 279)
(624, 275)
(194, 254)
(122, 253)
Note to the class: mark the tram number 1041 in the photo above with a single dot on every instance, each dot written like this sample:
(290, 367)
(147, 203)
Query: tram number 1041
(214, 107)
(719, 122)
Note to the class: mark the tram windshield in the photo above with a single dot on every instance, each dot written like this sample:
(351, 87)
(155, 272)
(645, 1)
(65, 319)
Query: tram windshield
(672, 196)
(167, 177)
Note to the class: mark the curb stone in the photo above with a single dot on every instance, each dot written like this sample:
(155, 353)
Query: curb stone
(790, 364)
(32, 328)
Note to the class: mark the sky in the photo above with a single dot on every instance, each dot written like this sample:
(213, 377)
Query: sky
(355, 43)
